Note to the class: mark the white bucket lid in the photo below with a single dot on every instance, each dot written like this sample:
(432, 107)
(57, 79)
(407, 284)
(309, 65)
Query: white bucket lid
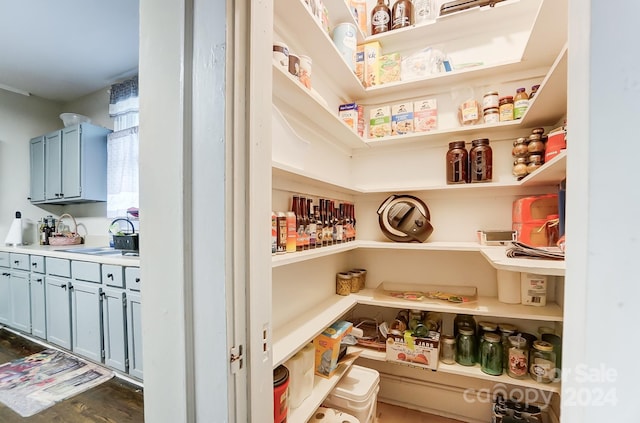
(358, 384)
(329, 415)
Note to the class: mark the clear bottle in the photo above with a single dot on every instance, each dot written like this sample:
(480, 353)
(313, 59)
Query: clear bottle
(491, 354)
(380, 18)
(457, 163)
(520, 103)
(448, 349)
(542, 363)
(466, 347)
(402, 14)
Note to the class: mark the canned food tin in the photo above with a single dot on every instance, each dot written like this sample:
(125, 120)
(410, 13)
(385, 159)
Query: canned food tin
(344, 37)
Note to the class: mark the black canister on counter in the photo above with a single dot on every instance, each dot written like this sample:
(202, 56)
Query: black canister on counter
(457, 163)
(480, 161)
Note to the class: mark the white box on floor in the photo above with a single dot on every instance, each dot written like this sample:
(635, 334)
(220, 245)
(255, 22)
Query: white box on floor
(356, 394)
(329, 415)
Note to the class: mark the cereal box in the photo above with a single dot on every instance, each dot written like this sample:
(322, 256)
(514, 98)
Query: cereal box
(425, 115)
(402, 118)
(353, 115)
(359, 59)
(371, 64)
(421, 352)
(380, 122)
(327, 346)
(389, 68)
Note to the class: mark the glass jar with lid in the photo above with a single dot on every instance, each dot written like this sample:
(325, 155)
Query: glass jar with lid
(506, 108)
(463, 321)
(457, 163)
(517, 357)
(535, 161)
(535, 145)
(490, 100)
(505, 330)
(448, 349)
(415, 318)
(491, 354)
(492, 115)
(542, 362)
(520, 103)
(520, 148)
(520, 167)
(480, 161)
(466, 347)
(534, 90)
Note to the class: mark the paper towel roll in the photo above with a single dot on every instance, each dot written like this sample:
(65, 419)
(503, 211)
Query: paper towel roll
(508, 287)
(14, 237)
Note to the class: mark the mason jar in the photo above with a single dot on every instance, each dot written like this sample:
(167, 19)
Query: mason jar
(491, 354)
(466, 347)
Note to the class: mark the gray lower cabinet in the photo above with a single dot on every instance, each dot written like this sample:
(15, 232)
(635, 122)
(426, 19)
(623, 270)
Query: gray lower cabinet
(134, 326)
(20, 301)
(38, 306)
(58, 310)
(5, 295)
(86, 320)
(114, 320)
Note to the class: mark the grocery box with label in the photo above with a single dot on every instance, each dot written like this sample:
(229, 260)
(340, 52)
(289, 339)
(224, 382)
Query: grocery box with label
(327, 346)
(353, 115)
(425, 115)
(371, 64)
(421, 352)
(402, 118)
(380, 122)
(389, 68)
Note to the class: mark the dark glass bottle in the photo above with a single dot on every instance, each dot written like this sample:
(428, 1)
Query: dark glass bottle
(312, 227)
(481, 161)
(457, 163)
(305, 223)
(295, 208)
(339, 224)
(380, 18)
(402, 14)
(319, 226)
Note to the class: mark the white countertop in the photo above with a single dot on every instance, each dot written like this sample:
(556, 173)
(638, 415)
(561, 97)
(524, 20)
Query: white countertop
(54, 251)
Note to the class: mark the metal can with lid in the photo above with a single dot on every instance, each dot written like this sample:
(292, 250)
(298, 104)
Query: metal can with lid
(480, 161)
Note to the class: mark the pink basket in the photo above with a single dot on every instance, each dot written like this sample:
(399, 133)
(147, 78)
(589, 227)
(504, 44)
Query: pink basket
(69, 238)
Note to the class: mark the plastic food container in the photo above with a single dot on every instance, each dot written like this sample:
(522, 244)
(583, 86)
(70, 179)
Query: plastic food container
(70, 119)
(356, 394)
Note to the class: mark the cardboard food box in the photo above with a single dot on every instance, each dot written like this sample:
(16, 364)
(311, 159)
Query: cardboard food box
(380, 122)
(402, 118)
(371, 63)
(389, 68)
(421, 352)
(425, 115)
(359, 59)
(353, 115)
(327, 346)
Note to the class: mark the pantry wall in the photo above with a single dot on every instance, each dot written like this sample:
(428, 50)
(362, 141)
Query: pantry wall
(521, 42)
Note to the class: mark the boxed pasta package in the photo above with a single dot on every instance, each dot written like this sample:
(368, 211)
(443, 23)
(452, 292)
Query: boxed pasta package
(380, 122)
(402, 118)
(425, 115)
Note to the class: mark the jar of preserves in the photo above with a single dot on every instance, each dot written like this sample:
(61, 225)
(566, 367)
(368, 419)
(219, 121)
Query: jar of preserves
(491, 354)
(492, 115)
(466, 347)
(517, 357)
(490, 100)
(520, 148)
(457, 163)
(506, 108)
(535, 161)
(520, 103)
(448, 349)
(542, 363)
(520, 167)
(534, 90)
(535, 145)
(480, 161)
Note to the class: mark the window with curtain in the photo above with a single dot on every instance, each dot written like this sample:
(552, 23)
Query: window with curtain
(122, 149)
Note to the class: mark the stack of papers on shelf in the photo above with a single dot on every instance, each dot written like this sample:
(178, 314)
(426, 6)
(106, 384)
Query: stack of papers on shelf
(520, 250)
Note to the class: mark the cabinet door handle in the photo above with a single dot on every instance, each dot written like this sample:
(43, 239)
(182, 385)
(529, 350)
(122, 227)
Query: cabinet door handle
(110, 276)
(39, 280)
(6, 274)
(16, 262)
(137, 280)
(34, 264)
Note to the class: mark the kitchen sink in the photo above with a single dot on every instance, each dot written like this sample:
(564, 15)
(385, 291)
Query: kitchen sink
(93, 251)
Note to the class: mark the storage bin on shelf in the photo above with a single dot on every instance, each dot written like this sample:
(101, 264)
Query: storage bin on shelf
(356, 394)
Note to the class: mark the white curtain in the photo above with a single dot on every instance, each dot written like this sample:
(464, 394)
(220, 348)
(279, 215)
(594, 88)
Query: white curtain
(122, 172)
(124, 104)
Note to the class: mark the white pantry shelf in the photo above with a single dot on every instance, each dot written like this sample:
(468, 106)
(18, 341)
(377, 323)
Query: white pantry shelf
(467, 371)
(498, 259)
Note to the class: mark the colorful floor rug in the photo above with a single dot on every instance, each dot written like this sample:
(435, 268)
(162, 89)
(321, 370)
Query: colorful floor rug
(35, 383)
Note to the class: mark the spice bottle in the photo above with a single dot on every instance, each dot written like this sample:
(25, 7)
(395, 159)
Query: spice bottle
(535, 161)
(380, 18)
(520, 103)
(520, 147)
(401, 14)
(466, 347)
(517, 357)
(480, 161)
(543, 362)
(520, 167)
(535, 145)
(491, 354)
(506, 108)
(457, 163)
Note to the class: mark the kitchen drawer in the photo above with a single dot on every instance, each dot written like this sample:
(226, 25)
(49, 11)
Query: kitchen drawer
(4, 260)
(58, 267)
(113, 275)
(132, 276)
(19, 261)
(86, 271)
(37, 264)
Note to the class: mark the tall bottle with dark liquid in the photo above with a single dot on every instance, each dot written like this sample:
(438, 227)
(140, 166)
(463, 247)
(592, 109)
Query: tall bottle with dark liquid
(319, 226)
(353, 221)
(401, 14)
(326, 235)
(312, 227)
(339, 224)
(380, 18)
(295, 207)
(305, 223)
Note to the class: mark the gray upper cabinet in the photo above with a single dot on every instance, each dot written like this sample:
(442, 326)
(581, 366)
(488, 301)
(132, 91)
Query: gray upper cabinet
(36, 154)
(74, 165)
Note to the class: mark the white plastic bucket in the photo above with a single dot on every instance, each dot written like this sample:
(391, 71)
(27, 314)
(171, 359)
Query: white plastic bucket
(356, 394)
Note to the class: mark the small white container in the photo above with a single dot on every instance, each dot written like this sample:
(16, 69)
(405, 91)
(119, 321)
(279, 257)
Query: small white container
(533, 289)
(301, 374)
(509, 287)
(344, 37)
(356, 394)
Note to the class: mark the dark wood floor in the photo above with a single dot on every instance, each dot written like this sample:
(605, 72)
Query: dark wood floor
(115, 401)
